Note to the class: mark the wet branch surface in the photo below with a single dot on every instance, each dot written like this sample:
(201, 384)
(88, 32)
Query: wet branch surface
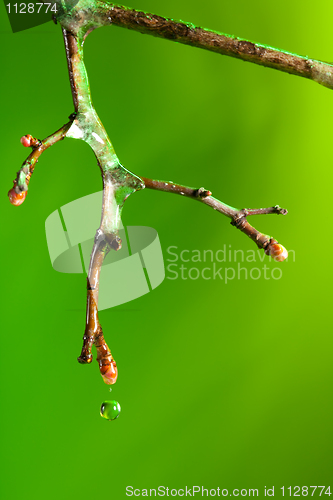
(103, 13)
(38, 147)
(246, 50)
(118, 182)
(115, 177)
(93, 334)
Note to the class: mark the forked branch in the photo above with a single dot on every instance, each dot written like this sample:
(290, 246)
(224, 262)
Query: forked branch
(77, 22)
(238, 217)
(18, 193)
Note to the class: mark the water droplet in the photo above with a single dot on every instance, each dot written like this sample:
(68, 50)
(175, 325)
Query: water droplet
(110, 410)
(110, 389)
(181, 192)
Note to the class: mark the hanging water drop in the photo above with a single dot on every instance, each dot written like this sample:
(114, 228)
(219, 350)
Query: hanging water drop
(110, 410)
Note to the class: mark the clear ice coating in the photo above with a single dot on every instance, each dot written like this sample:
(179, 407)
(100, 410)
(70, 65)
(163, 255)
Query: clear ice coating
(110, 410)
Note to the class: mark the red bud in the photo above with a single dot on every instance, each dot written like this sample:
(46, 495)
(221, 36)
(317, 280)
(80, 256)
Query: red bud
(15, 198)
(26, 140)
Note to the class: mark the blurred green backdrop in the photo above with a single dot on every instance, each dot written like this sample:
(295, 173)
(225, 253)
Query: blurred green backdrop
(220, 385)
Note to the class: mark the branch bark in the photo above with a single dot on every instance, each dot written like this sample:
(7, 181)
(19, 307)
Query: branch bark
(238, 217)
(93, 334)
(38, 147)
(98, 13)
(118, 183)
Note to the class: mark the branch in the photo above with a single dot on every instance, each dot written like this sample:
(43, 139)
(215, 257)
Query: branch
(118, 184)
(19, 191)
(238, 217)
(93, 333)
(88, 15)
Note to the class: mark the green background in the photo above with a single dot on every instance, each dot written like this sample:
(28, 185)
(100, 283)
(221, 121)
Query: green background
(220, 385)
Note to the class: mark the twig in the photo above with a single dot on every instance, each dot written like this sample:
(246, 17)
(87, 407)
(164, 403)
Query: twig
(38, 147)
(238, 217)
(93, 14)
(259, 211)
(93, 333)
(118, 184)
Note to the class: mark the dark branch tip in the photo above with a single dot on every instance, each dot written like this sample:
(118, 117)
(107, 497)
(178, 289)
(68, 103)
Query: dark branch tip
(280, 210)
(202, 193)
(85, 359)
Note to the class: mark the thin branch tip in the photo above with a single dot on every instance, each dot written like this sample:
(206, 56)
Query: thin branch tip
(264, 211)
(279, 210)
